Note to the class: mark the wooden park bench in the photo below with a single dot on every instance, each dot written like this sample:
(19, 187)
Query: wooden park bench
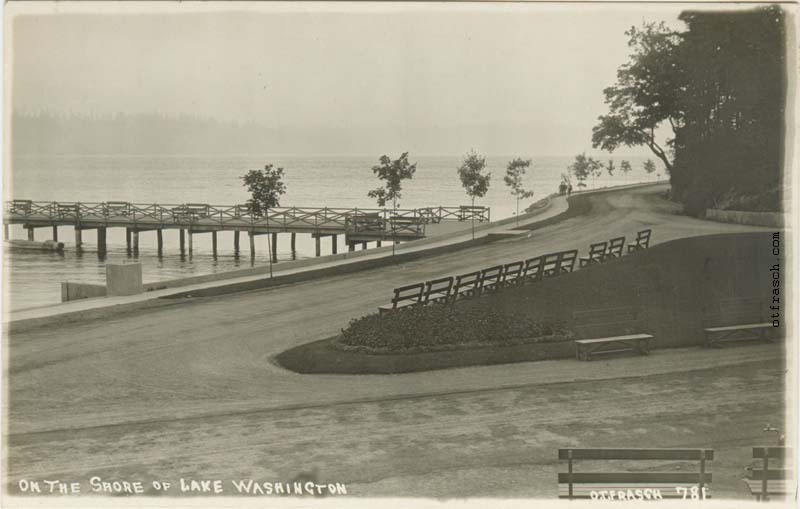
(636, 485)
(534, 268)
(550, 264)
(739, 319)
(67, 210)
(467, 284)
(566, 261)
(512, 274)
(405, 296)
(770, 479)
(615, 247)
(490, 278)
(21, 206)
(642, 241)
(438, 290)
(597, 253)
(117, 208)
(407, 225)
(370, 222)
(609, 330)
(472, 212)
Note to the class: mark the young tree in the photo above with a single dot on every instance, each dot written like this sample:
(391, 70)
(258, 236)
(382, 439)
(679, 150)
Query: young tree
(393, 173)
(265, 187)
(625, 167)
(649, 166)
(646, 93)
(475, 183)
(513, 178)
(583, 167)
(597, 171)
(610, 167)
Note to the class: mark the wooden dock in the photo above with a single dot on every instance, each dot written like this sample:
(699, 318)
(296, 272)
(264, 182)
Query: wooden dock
(359, 226)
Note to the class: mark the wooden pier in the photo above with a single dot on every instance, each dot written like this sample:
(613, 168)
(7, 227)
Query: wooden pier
(359, 226)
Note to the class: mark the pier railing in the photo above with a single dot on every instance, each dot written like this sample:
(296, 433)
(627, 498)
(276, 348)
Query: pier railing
(120, 213)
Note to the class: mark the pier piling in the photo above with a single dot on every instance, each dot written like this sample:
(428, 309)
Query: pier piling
(30, 233)
(55, 233)
(128, 239)
(214, 243)
(334, 241)
(378, 243)
(236, 242)
(190, 241)
(135, 234)
(363, 245)
(183, 240)
(317, 244)
(252, 244)
(351, 246)
(294, 235)
(78, 238)
(160, 240)
(5, 232)
(101, 240)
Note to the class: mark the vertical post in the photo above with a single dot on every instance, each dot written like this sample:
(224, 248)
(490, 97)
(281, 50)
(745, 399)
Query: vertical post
(334, 242)
(317, 240)
(236, 242)
(569, 473)
(252, 244)
(78, 237)
(182, 240)
(30, 233)
(190, 240)
(5, 231)
(274, 247)
(214, 243)
(294, 235)
(127, 238)
(764, 495)
(160, 240)
(101, 239)
(702, 469)
(378, 243)
(55, 233)
(351, 246)
(363, 245)
(135, 241)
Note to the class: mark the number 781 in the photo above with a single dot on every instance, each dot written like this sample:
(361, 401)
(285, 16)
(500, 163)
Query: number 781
(693, 493)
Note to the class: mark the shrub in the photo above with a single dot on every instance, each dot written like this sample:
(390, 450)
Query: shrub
(465, 324)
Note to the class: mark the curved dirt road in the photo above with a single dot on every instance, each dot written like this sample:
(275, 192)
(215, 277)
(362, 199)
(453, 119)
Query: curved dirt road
(187, 389)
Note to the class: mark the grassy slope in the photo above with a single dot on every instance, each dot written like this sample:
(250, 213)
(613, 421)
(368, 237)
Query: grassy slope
(673, 285)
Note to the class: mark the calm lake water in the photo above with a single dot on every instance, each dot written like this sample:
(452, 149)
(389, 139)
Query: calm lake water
(33, 278)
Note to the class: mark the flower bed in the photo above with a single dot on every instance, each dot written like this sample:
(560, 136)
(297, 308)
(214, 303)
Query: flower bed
(466, 324)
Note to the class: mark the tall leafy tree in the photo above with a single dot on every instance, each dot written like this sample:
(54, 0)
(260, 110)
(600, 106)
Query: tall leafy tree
(645, 94)
(515, 171)
(265, 187)
(649, 167)
(474, 181)
(392, 173)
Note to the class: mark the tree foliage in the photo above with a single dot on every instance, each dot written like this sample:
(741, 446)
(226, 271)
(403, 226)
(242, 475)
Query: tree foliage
(265, 187)
(645, 94)
(515, 170)
(610, 168)
(393, 173)
(474, 181)
(583, 167)
(649, 166)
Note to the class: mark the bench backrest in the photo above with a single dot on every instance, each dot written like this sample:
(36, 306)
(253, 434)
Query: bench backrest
(411, 293)
(490, 276)
(566, 260)
(533, 267)
(772, 468)
(438, 288)
(597, 251)
(468, 281)
(512, 271)
(643, 238)
(603, 322)
(582, 484)
(550, 263)
(615, 246)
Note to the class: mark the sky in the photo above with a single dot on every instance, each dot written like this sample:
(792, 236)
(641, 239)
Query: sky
(434, 79)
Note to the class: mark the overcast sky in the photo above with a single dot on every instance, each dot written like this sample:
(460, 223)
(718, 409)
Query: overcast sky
(510, 77)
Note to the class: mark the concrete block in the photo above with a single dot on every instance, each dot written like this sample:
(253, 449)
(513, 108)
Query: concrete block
(75, 291)
(123, 279)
